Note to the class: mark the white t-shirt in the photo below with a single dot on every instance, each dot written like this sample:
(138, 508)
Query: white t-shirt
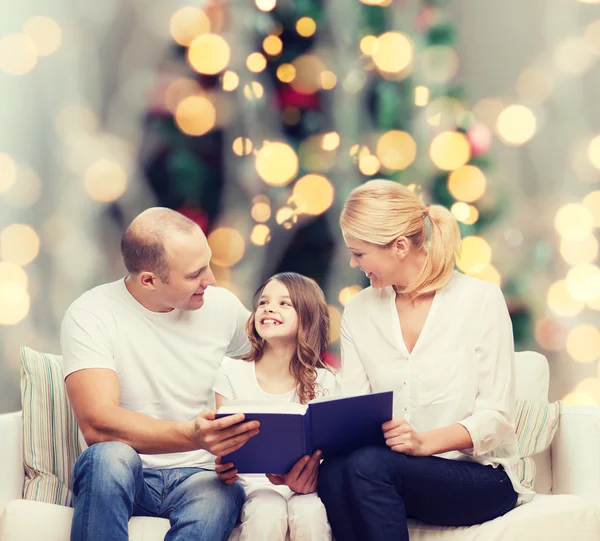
(166, 362)
(461, 370)
(236, 380)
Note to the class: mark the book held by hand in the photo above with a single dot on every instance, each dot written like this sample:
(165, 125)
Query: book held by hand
(290, 431)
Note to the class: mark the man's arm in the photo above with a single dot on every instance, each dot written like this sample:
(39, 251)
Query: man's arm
(94, 396)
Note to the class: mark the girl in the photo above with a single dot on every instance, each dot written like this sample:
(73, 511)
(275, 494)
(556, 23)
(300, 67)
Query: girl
(289, 334)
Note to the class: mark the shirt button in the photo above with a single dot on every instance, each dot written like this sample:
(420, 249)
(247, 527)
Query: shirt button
(404, 383)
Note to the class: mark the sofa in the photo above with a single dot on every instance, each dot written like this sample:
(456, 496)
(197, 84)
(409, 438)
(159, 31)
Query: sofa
(565, 508)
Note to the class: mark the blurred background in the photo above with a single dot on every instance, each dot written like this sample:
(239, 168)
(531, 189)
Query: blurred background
(257, 118)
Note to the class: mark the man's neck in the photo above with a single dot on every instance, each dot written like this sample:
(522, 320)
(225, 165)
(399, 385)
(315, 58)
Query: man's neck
(138, 293)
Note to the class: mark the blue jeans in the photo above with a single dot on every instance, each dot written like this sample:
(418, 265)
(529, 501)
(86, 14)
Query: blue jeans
(110, 486)
(370, 494)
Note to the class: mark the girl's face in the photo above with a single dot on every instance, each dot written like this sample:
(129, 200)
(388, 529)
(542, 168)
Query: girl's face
(276, 318)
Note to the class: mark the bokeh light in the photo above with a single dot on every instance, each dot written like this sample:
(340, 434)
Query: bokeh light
(195, 115)
(592, 202)
(105, 181)
(309, 68)
(253, 91)
(242, 146)
(209, 54)
(421, 96)
(580, 251)
(260, 235)
(583, 343)
(396, 149)
(178, 90)
(328, 80)
(14, 303)
(579, 400)
(590, 386)
(489, 273)
(313, 194)
(8, 172)
(272, 45)
(45, 33)
(266, 5)
(306, 27)
(467, 183)
(347, 293)
(188, 23)
(261, 211)
(331, 141)
(561, 302)
(231, 80)
(14, 274)
(573, 222)
(574, 55)
(286, 73)
(277, 163)
(369, 165)
(393, 52)
(367, 43)
(26, 191)
(475, 255)
(534, 85)
(516, 125)
(583, 282)
(450, 150)
(256, 62)
(594, 151)
(286, 217)
(227, 246)
(439, 63)
(19, 244)
(18, 54)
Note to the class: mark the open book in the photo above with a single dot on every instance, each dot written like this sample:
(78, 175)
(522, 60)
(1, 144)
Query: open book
(290, 431)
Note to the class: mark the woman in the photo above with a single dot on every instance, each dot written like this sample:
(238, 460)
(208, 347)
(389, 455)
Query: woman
(443, 343)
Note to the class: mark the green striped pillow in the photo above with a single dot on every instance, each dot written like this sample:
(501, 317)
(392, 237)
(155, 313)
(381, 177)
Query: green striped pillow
(50, 433)
(536, 424)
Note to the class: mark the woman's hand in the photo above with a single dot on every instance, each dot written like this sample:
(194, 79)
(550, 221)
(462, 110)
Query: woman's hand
(400, 437)
(302, 478)
(226, 472)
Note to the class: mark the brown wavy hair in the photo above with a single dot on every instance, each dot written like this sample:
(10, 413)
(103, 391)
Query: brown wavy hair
(312, 336)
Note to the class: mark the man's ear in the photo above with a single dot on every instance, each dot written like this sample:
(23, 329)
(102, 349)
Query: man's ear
(147, 279)
(401, 246)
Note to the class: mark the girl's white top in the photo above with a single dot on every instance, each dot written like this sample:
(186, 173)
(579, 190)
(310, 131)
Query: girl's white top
(461, 370)
(236, 380)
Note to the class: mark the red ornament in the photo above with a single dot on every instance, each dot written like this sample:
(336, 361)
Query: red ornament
(331, 360)
(288, 97)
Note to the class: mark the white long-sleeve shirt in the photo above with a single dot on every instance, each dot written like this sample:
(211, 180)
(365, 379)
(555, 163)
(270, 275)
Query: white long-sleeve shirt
(461, 370)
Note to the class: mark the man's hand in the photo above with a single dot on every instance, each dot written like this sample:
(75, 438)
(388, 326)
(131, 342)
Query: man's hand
(222, 436)
(302, 478)
(226, 473)
(400, 437)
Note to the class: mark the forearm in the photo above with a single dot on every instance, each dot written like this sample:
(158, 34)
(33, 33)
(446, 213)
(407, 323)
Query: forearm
(449, 438)
(142, 432)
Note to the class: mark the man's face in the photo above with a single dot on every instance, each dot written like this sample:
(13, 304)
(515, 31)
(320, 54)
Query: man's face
(188, 255)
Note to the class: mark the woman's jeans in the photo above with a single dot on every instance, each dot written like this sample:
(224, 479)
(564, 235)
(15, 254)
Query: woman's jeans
(370, 494)
(110, 486)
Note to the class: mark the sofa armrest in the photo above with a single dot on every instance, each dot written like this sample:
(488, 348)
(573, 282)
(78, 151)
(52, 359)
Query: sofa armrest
(12, 473)
(576, 452)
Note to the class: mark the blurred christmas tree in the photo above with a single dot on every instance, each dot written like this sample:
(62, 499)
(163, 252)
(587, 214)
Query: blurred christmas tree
(266, 115)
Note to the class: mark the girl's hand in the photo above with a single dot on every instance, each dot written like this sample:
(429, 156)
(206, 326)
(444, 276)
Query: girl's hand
(302, 478)
(226, 473)
(400, 437)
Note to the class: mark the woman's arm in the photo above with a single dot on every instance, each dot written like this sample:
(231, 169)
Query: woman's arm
(491, 420)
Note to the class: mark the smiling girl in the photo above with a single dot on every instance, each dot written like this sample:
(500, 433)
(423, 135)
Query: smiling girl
(289, 333)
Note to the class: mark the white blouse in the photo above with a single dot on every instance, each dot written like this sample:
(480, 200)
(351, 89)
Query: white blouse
(461, 369)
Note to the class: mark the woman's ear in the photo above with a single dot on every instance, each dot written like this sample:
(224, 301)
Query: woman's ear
(401, 246)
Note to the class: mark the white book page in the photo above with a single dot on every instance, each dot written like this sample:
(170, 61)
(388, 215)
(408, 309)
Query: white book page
(245, 406)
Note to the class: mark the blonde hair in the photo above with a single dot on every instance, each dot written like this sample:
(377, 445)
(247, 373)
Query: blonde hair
(380, 211)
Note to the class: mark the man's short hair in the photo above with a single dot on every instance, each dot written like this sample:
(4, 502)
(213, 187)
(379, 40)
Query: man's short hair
(143, 243)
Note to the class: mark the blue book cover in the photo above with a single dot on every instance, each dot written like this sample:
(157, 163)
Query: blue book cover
(290, 431)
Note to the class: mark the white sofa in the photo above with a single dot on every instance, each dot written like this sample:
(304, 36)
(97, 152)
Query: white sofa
(570, 470)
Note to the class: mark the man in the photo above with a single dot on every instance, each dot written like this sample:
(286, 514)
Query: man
(140, 356)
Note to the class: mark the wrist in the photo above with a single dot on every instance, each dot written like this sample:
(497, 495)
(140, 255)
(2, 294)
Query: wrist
(187, 431)
(427, 444)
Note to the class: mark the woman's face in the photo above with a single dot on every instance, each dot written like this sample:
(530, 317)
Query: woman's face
(382, 265)
(276, 317)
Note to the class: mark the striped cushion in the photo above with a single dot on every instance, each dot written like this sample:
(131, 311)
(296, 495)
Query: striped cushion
(50, 433)
(536, 424)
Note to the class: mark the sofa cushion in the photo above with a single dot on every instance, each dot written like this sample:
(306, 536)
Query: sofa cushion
(551, 518)
(50, 433)
(536, 424)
